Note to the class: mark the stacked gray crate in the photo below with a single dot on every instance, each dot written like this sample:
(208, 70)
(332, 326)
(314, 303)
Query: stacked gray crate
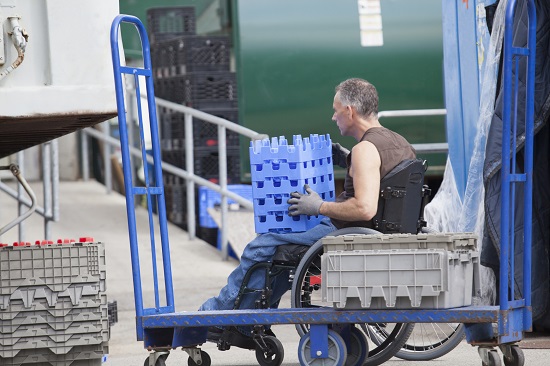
(400, 271)
(53, 306)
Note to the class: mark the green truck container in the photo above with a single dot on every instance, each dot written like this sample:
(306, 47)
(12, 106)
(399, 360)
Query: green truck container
(290, 54)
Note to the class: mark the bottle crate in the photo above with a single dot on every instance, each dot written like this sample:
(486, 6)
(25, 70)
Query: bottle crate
(165, 23)
(185, 54)
(205, 134)
(206, 161)
(200, 90)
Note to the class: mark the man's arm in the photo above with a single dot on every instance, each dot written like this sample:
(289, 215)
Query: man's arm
(365, 170)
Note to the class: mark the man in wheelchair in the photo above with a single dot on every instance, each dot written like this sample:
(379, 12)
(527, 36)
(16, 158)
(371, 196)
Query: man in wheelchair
(377, 152)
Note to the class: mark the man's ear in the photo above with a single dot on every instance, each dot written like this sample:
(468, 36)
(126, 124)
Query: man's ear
(350, 111)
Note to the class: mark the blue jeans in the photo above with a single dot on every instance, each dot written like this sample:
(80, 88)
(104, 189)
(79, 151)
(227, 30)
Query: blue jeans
(262, 249)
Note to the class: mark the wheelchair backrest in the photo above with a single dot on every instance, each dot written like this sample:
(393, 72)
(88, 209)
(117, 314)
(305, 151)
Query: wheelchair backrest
(401, 202)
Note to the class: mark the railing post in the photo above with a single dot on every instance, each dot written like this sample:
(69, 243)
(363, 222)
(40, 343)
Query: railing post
(107, 159)
(85, 158)
(47, 187)
(222, 164)
(20, 205)
(190, 185)
(55, 180)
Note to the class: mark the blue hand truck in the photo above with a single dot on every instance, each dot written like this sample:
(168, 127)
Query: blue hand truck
(162, 329)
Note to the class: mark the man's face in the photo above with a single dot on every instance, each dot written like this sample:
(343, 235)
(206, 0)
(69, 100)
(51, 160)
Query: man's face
(341, 116)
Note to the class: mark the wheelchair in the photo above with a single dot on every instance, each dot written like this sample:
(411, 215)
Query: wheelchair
(403, 196)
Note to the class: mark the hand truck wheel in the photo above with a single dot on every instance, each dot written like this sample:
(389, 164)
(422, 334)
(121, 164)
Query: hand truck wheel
(273, 354)
(205, 360)
(489, 356)
(358, 348)
(513, 355)
(337, 352)
(160, 359)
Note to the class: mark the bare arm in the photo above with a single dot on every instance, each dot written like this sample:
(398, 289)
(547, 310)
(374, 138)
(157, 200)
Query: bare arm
(365, 170)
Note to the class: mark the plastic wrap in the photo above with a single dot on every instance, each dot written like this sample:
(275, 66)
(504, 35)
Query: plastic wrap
(447, 212)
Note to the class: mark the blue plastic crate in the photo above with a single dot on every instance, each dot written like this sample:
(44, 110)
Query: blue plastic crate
(278, 202)
(311, 148)
(283, 185)
(292, 170)
(277, 169)
(281, 222)
(209, 198)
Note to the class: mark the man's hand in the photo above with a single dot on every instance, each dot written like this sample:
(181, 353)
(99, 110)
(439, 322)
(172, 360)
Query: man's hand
(339, 155)
(304, 204)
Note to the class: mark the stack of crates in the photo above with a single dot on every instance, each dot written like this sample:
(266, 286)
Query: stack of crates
(192, 70)
(53, 306)
(277, 169)
(400, 271)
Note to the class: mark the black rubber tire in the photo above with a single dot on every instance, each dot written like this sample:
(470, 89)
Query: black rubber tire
(161, 361)
(387, 343)
(377, 355)
(337, 351)
(275, 355)
(206, 360)
(518, 358)
(358, 348)
(494, 360)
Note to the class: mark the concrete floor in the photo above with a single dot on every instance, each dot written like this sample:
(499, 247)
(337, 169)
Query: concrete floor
(198, 273)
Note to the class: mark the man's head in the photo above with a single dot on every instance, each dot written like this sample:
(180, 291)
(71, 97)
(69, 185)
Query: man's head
(354, 99)
(359, 94)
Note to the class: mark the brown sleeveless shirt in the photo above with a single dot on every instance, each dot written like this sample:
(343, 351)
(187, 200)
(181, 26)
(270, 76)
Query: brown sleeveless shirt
(393, 149)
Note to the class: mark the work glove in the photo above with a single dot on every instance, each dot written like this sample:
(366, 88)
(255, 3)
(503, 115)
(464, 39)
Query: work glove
(339, 155)
(304, 204)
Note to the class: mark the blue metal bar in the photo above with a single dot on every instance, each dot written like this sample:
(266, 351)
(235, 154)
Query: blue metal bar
(505, 170)
(529, 147)
(154, 187)
(511, 323)
(132, 71)
(143, 158)
(126, 168)
(467, 314)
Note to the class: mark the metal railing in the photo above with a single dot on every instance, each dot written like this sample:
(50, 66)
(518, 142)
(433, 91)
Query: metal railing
(187, 174)
(427, 148)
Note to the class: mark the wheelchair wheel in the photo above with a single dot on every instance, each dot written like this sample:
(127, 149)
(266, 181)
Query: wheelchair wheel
(273, 355)
(306, 293)
(429, 341)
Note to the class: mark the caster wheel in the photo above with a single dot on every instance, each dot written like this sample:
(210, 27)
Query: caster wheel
(358, 348)
(517, 359)
(273, 355)
(161, 361)
(493, 359)
(205, 360)
(337, 351)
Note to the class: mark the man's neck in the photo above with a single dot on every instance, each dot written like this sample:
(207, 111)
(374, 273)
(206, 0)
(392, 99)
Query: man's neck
(364, 125)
